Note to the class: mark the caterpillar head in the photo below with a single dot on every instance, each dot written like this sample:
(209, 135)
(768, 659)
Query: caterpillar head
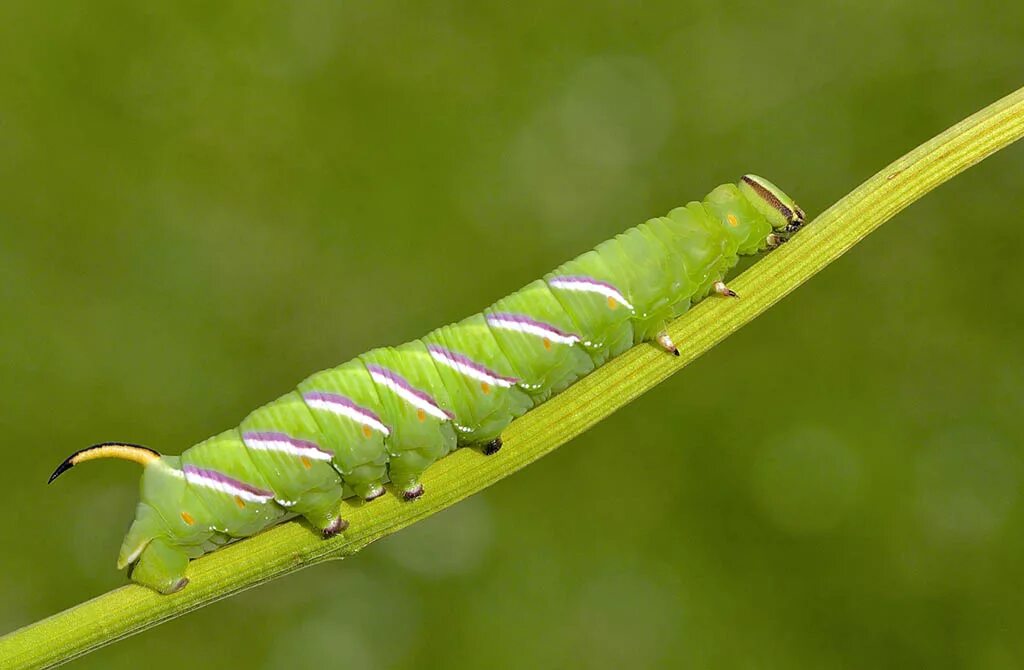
(780, 210)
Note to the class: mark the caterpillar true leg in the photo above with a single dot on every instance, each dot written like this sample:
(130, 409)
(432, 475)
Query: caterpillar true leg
(666, 343)
(722, 289)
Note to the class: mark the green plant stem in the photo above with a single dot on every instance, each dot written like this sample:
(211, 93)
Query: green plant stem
(292, 546)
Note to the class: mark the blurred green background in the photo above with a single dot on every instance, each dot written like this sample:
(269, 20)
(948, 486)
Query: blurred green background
(201, 203)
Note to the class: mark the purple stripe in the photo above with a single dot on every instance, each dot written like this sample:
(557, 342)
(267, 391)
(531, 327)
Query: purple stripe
(282, 437)
(341, 400)
(583, 279)
(519, 318)
(469, 363)
(224, 479)
(397, 379)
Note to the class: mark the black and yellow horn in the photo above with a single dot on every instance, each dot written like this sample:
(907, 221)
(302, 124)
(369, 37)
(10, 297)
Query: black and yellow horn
(123, 450)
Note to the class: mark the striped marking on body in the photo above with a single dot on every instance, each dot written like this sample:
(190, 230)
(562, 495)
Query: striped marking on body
(306, 450)
(470, 368)
(520, 323)
(583, 284)
(218, 481)
(342, 406)
(425, 404)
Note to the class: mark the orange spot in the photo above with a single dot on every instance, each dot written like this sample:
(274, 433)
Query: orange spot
(306, 462)
(421, 415)
(611, 303)
(239, 502)
(187, 518)
(547, 344)
(732, 220)
(485, 387)
(367, 432)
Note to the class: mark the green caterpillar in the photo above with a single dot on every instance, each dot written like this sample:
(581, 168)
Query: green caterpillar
(388, 414)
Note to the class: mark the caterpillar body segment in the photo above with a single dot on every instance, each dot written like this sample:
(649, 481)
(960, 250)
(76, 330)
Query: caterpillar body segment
(419, 411)
(284, 440)
(541, 342)
(481, 382)
(388, 414)
(345, 405)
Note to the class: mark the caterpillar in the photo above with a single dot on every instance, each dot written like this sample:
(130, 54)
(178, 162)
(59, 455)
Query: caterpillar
(387, 415)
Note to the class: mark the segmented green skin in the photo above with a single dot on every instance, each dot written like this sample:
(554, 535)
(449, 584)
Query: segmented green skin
(390, 413)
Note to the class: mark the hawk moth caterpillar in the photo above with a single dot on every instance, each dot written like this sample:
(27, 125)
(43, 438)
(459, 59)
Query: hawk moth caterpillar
(388, 414)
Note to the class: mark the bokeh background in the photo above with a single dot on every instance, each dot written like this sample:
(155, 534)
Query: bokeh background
(200, 203)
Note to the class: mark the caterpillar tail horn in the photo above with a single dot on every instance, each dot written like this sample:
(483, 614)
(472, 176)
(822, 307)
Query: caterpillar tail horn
(123, 450)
